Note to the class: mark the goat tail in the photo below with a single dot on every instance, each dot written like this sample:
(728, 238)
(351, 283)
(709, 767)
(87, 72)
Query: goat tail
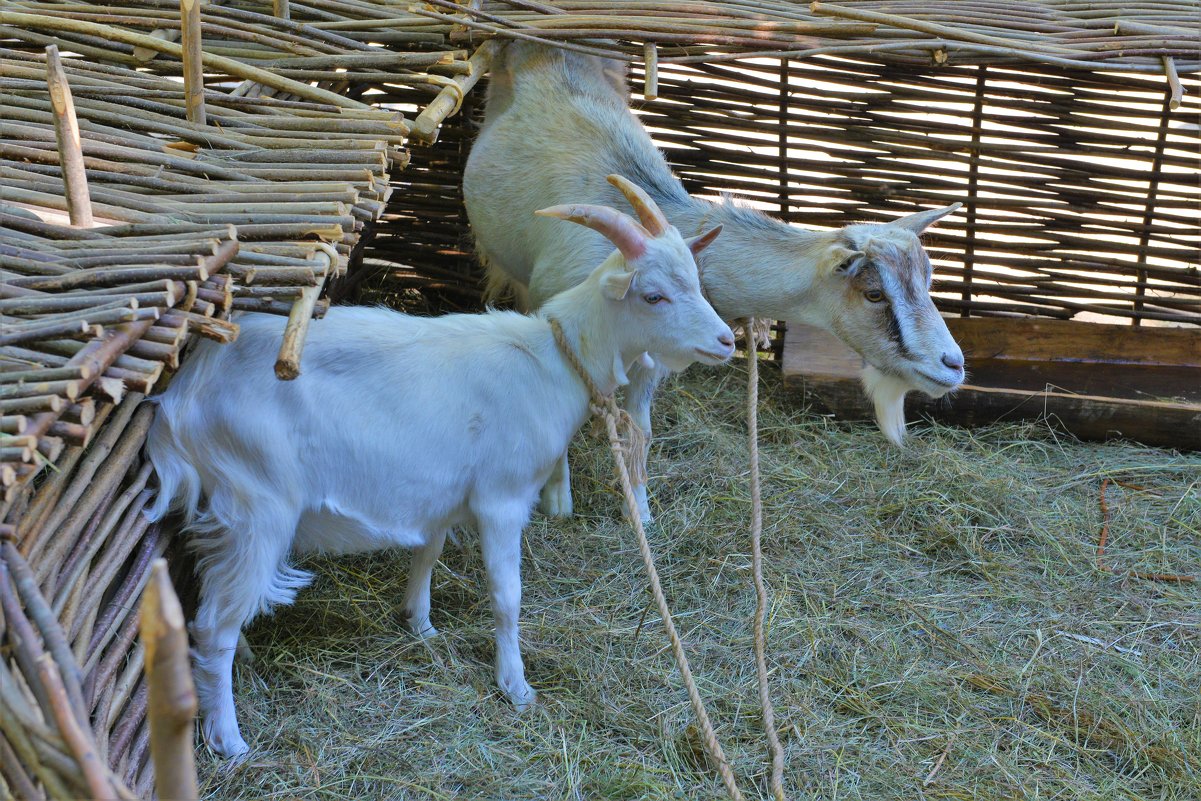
(888, 397)
(178, 481)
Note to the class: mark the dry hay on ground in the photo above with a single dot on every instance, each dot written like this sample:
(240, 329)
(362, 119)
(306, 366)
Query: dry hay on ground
(933, 606)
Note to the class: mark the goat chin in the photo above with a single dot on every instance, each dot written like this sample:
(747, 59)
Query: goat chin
(888, 396)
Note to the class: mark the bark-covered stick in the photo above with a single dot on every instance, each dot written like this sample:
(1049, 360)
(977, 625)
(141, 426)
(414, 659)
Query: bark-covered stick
(287, 365)
(447, 102)
(193, 69)
(70, 149)
(172, 703)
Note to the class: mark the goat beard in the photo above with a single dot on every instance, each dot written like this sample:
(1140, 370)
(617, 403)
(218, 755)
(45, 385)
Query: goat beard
(887, 393)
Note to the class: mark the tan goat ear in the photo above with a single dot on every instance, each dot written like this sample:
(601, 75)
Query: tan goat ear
(698, 243)
(924, 219)
(617, 285)
(844, 260)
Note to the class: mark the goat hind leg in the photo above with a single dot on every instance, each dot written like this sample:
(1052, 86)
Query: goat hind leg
(556, 493)
(242, 574)
(417, 593)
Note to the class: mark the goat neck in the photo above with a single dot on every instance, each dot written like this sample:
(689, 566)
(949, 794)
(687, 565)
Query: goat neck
(590, 328)
(758, 267)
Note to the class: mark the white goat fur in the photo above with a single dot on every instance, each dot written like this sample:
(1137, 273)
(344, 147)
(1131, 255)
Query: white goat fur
(558, 122)
(398, 429)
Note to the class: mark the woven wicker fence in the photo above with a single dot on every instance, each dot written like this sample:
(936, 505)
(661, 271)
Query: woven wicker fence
(1081, 190)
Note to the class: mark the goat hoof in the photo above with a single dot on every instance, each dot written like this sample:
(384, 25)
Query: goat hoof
(644, 507)
(224, 738)
(243, 653)
(556, 501)
(523, 698)
(423, 630)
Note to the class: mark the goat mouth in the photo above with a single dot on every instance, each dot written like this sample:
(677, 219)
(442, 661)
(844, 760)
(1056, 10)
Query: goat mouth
(711, 356)
(944, 384)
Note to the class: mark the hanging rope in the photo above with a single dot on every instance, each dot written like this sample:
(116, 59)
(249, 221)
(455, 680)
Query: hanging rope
(628, 447)
(752, 423)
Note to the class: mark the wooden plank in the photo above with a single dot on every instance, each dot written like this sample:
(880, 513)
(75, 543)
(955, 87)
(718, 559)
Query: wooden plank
(1158, 371)
(1038, 339)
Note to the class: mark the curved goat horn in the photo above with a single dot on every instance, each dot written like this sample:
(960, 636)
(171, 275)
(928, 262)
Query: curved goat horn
(620, 229)
(648, 211)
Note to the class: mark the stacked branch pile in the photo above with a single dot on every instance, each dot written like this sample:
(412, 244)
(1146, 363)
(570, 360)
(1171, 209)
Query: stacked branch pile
(247, 189)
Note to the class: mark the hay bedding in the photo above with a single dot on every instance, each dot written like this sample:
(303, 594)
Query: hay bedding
(933, 607)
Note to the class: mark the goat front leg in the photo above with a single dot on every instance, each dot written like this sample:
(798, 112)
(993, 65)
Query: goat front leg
(417, 593)
(640, 395)
(556, 493)
(500, 543)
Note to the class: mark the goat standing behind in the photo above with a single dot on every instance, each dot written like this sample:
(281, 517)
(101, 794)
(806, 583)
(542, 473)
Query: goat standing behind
(400, 428)
(557, 122)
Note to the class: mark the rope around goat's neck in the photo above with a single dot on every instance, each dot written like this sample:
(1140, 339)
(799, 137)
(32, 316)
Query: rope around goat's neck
(606, 407)
(752, 424)
(633, 438)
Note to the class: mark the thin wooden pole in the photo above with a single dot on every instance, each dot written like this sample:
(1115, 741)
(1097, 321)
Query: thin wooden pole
(1177, 91)
(973, 188)
(650, 58)
(172, 700)
(70, 148)
(193, 68)
(287, 364)
(280, 9)
(1161, 139)
(782, 117)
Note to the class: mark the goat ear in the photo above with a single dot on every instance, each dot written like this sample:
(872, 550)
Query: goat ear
(617, 285)
(924, 219)
(844, 261)
(698, 243)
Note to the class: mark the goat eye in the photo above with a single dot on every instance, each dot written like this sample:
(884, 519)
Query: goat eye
(653, 298)
(874, 295)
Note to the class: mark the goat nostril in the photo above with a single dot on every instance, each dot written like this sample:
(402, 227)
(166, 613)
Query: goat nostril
(726, 340)
(955, 362)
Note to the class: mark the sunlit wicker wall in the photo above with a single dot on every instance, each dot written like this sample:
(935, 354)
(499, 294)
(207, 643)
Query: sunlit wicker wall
(1080, 189)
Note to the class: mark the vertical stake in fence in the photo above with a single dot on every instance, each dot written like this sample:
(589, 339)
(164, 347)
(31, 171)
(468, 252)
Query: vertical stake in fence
(650, 60)
(1144, 240)
(280, 9)
(171, 705)
(782, 167)
(973, 189)
(193, 69)
(70, 148)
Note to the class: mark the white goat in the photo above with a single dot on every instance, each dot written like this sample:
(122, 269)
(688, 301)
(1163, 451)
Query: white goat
(558, 122)
(400, 428)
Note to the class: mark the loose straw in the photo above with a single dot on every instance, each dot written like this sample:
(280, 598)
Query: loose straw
(1104, 538)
